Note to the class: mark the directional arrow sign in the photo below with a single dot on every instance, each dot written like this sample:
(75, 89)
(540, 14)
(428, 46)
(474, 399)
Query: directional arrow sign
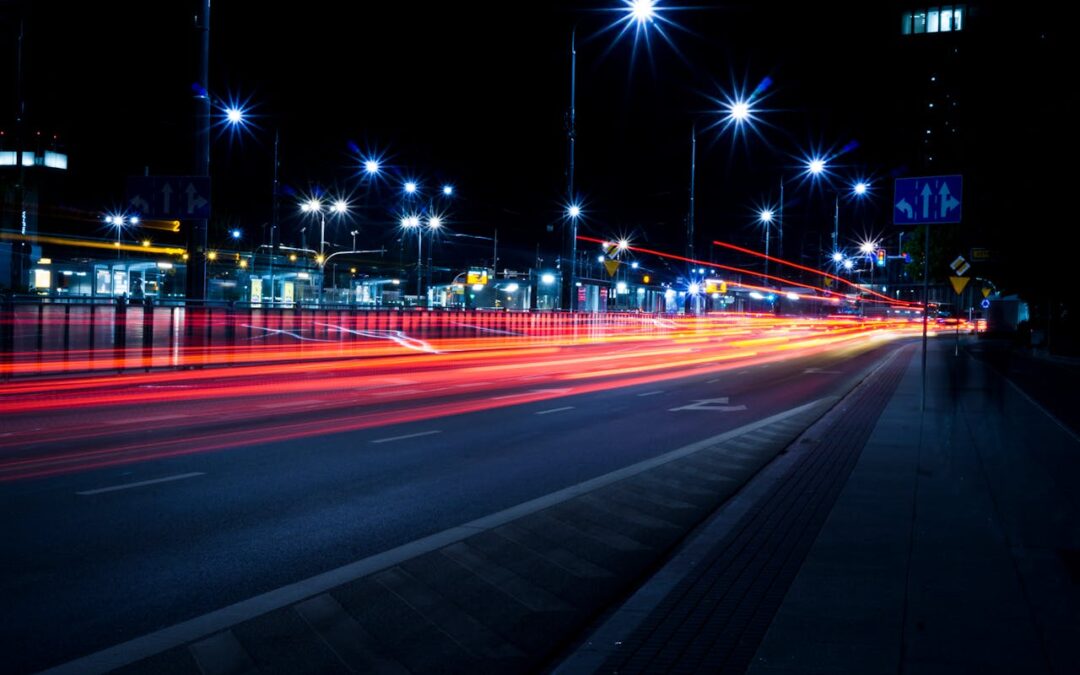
(195, 201)
(720, 404)
(930, 199)
(169, 197)
(958, 283)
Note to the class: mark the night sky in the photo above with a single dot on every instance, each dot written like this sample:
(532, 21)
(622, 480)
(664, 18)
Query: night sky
(476, 95)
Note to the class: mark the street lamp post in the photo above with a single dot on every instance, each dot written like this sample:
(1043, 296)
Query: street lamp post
(314, 206)
(766, 218)
(413, 223)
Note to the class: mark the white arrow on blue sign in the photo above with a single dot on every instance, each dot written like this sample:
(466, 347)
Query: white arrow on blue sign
(169, 197)
(928, 199)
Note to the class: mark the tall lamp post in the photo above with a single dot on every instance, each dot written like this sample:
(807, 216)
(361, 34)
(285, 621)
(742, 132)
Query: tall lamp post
(766, 218)
(638, 16)
(315, 207)
(736, 112)
(119, 221)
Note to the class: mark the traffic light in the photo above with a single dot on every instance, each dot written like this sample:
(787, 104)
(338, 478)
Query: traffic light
(645, 279)
(881, 257)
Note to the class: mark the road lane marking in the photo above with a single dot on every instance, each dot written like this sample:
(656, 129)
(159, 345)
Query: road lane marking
(819, 371)
(126, 653)
(555, 410)
(140, 420)
(713, 381)
(402, 438)
(295, 403)
(710, 404)
(128, 486)
(652, 393)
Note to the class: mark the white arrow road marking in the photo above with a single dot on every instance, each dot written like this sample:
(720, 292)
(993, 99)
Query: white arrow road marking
(710, 404)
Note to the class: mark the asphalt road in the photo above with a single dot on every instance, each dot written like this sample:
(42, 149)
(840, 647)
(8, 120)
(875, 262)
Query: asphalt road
(96, 556)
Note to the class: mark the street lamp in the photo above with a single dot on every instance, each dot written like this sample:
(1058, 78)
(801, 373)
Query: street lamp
(859, 189)
(573, 214)
(736, 110)
(641, 16)
(315, 206)
(119, 221)
(765, 217)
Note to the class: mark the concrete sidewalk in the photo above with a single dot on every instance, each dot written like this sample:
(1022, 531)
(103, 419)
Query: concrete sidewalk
(953, 546)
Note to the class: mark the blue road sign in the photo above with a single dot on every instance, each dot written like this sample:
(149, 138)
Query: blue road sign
(929, 199)
(169, 197)
(985, 304)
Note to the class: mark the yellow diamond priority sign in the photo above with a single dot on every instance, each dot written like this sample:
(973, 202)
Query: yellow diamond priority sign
(986, 291)
(612, 266)
(958, 283)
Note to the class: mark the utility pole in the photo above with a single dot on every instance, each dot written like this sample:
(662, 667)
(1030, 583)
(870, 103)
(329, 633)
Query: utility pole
(197, 233)
(569, 281)
(19, 254)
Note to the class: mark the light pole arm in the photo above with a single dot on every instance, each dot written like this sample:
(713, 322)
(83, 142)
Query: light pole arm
(370, 250)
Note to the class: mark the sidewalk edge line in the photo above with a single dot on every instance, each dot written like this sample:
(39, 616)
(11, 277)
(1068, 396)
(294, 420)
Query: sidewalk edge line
(1039, 406)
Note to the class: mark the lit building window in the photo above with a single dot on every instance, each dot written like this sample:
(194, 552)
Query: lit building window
(946, 18)
(943, 19)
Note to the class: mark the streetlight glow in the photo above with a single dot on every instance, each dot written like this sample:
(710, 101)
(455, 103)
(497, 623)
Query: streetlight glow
(371, 167)
(642, 10)
(448, 190)
(235, 234)
(739, 111)
(434, 222)
(838, 256)
(861, 188)
(234, 115)
(311, 206)
(547, 278)
(573, 211)
(340, 206)
(766, 216)
(849, 263)
(410, 187)
(868, 247)
(134, 220)
(816, 166)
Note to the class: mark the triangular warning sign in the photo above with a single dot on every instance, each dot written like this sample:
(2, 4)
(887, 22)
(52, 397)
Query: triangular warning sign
(611, 266)
(958, 283)
(986, 291)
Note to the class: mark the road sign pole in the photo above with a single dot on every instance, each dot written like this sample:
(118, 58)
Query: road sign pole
(925, 311)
